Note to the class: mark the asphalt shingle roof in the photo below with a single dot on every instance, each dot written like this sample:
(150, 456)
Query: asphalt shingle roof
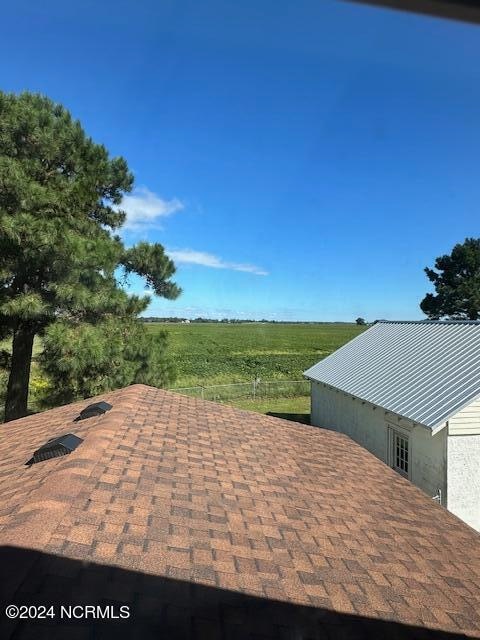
(211, 522)
(424, 371)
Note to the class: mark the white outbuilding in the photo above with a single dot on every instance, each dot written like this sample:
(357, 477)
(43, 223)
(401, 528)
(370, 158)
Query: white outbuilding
(409, 392)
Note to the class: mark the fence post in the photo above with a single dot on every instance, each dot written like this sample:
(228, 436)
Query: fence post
(254, 388)
(203, 395)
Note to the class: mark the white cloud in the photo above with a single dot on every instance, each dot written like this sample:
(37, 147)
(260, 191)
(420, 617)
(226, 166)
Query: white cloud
(145, 208)
(190, 256)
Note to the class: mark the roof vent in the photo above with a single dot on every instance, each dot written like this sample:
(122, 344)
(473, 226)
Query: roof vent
(95, 409)
(56, 447)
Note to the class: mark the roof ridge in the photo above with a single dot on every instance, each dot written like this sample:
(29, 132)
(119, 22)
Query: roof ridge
(49, 502)
(78, 404)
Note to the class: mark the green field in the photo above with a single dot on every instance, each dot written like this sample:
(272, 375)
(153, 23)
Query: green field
(210, 353)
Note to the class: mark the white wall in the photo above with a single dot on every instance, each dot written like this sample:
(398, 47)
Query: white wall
(368, 426)
(464, 477)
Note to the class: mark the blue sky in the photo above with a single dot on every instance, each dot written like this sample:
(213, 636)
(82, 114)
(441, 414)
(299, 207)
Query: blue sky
(299, 160)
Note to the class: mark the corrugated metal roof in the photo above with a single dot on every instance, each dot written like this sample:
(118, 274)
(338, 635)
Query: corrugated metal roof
(425, 371)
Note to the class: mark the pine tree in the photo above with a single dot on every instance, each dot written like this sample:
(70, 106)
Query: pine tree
(60, 197)
(84, 360)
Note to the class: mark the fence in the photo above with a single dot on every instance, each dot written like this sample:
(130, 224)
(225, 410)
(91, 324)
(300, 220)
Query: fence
(255, 390)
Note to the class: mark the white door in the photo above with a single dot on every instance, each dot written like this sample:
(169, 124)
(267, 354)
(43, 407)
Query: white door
(400, 452)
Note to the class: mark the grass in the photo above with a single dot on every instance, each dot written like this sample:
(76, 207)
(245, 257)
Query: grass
(209, 354)
(297, 409)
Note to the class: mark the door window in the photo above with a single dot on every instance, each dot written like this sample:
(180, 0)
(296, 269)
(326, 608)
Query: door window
(400, 453)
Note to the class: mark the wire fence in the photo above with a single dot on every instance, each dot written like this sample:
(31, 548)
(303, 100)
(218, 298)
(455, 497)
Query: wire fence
(255, 390)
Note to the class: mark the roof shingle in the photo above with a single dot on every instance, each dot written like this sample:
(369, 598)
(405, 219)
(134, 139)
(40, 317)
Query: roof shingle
(178, 494)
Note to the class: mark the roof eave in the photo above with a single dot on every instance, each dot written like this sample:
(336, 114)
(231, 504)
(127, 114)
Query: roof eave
(414, 422)
(438, 428)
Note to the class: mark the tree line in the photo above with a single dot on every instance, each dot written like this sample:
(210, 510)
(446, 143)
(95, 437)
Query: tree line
(200, 320)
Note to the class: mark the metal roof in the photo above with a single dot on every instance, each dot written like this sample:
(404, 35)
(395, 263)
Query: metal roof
(425, 371)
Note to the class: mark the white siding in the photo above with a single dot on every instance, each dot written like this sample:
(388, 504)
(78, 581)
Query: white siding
(368, 426)
(467, 421)
(464, 478)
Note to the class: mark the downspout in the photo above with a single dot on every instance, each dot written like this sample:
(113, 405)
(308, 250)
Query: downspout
(445, 498)
(441, 496)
